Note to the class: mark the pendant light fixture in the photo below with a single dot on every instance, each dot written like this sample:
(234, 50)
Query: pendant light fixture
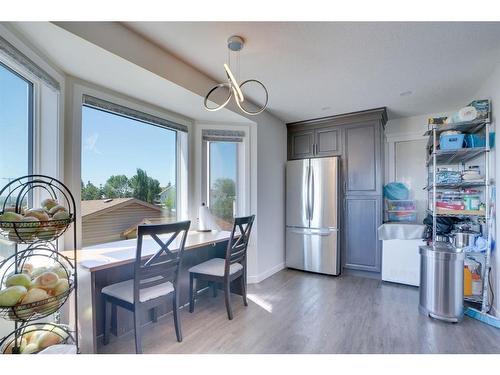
(235, 44)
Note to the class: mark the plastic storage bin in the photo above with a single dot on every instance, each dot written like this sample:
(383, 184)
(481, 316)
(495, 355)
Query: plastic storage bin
(401, 205)
(402, 216)
(475, 140)
(451, 142)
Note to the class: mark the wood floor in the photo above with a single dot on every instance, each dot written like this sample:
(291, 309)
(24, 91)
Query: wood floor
(297, 312)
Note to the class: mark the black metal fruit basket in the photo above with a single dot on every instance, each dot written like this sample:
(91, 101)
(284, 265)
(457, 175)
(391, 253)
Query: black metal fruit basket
(20, 194)
(21, 262)
(35, 337)
(29, 232)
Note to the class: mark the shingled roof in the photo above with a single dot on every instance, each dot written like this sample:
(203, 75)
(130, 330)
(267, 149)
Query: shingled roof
(99, 206)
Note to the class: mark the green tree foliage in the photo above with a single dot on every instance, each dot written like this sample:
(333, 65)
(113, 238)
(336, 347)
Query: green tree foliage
(222, 196)
(144, 187)
(117, 187)
(139, 186)
(90, 192)
(169, 201)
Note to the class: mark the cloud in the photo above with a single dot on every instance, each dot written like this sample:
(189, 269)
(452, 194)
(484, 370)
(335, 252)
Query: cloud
(90, 144)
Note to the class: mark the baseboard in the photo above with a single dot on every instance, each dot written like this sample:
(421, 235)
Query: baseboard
(264, 275)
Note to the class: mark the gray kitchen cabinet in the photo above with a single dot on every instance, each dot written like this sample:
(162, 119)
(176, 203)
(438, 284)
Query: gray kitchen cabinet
(362, 249)
(358, 139)
(320, 142)
(301, 144)
(327, 142)
(363, 159)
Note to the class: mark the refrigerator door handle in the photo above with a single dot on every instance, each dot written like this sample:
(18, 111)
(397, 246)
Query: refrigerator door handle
(305, 187)
(311, 201)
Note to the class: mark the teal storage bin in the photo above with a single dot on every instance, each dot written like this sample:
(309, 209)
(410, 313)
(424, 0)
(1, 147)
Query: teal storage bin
(451, 142)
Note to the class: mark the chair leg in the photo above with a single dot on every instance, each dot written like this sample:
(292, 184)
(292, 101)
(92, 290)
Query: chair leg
(138, 331)
(107, 321)
(244, 289)
(214, 288)
(192, 291)
(177, 318)
(227, 298)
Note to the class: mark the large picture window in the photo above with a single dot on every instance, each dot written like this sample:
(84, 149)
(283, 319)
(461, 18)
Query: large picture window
(16, 126)
(129, 172)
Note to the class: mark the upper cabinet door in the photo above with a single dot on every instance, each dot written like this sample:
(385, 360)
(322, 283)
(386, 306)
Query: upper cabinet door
(362, 162)
(328, 142)
(301, 144)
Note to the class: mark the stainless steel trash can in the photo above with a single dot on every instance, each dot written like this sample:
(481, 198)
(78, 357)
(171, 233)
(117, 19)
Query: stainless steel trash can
(442, 282)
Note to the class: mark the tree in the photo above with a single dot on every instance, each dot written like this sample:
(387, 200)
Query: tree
(117, 187)
(139, 184)
(144, 187)
(90, 192)
(169, 201)
(222, 196)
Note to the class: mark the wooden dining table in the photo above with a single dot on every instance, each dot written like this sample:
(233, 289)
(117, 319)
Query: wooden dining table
(109, 263)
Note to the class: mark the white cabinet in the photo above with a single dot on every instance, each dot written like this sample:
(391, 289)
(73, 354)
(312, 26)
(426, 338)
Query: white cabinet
(401, 261)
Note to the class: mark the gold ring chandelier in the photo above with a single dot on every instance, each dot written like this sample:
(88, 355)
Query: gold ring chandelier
(235, 44)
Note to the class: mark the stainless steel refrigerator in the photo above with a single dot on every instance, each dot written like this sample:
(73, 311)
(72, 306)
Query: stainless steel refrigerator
(312, 217)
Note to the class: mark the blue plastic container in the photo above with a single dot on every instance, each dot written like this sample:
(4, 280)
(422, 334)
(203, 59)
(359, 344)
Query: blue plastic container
(475, 140)
(451, 142)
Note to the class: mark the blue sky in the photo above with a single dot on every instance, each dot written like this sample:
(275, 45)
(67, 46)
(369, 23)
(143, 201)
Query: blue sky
(111, 144)
(13, 126)
(223, 159)
(114, 145)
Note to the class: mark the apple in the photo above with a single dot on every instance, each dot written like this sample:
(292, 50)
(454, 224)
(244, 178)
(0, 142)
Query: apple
(39, 213)
(18, 279)
(12, 295)
(49, 203)
(56, 209)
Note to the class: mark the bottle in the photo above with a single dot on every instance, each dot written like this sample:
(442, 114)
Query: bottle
(467, 281)
(477, 287)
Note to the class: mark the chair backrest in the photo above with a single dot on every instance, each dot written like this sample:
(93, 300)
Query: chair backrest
(164, 264)
(237, 246)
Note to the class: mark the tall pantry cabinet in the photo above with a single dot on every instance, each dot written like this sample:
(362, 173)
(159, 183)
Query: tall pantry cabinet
(357, 138)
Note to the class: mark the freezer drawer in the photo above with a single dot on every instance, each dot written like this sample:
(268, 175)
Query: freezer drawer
(313, 250)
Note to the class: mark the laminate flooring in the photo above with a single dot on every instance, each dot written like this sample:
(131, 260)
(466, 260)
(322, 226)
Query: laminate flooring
(299, 312)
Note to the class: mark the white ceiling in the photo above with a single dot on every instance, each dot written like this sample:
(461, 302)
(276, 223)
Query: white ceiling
(320, 69)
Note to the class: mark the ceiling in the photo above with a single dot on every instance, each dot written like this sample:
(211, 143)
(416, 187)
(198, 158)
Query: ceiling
(316, 69)
(80, 58)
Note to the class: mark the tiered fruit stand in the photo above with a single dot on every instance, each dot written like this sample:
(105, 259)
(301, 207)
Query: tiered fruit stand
(36, 254)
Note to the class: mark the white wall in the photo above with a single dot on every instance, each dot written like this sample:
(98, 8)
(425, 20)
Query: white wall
(405, 156)
(490, 89)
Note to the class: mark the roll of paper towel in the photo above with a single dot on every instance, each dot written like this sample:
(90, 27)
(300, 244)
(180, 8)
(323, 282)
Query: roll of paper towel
(206, 221)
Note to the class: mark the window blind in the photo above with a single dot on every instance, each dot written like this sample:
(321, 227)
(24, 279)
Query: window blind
(21, 59)
(214, 135)
(104, 105)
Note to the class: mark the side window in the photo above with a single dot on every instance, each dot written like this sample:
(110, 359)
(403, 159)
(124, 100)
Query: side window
(222, 181)
(16, 127)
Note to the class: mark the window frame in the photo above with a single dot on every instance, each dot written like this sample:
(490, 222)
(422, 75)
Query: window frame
(73, 162)
(243, 174)
(176, 134)
(206, 174)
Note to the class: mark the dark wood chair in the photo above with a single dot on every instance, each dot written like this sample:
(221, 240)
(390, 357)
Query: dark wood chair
(225, 271)
(155, 277)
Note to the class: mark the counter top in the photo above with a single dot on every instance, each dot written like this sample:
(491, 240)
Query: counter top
(112, 254)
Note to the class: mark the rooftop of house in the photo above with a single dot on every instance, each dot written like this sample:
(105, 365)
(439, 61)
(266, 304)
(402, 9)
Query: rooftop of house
(94, 207)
